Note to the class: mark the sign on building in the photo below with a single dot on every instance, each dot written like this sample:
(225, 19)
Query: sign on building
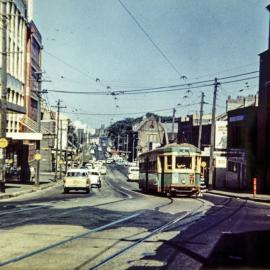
(221, 135)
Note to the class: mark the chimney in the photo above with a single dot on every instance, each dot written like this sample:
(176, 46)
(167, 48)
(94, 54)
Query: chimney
(268, 8)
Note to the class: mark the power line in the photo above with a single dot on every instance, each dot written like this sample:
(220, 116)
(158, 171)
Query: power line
(129, 113)
(150, 38)
(71, 66)
(156, 90)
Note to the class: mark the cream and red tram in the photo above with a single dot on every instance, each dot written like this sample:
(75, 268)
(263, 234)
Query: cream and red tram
(174, 168)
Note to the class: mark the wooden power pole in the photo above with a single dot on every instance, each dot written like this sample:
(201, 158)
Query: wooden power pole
(212, 140)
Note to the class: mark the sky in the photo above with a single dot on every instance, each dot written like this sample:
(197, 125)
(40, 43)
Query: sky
(95, 45)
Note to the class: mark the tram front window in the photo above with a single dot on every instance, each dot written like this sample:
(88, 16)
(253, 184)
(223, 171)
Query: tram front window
(183, 163)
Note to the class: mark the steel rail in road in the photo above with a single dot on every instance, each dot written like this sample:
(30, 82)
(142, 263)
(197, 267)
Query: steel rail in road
(152, 233)
(76, 237)
(128, 197)
(72, 238)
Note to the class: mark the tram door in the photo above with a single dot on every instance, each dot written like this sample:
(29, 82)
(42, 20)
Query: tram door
(162, 165)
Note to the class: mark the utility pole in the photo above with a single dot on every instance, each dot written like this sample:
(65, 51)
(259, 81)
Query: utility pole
(118, 141)
(3, 101)
(39, 93)
(127, 147)
(212, 141)
(173, 119)
(133, 147)
(58, 106)
(200, 123)
(61, 142)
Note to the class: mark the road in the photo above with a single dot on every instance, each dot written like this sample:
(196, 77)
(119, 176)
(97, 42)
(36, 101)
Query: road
(117, 227)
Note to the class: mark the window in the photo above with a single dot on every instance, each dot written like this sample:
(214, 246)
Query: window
(183, 163)
(74, 174)
(169, 162)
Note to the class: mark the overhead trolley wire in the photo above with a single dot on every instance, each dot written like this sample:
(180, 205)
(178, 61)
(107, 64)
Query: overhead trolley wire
(150, 38)
(161, 89)
(131, 113)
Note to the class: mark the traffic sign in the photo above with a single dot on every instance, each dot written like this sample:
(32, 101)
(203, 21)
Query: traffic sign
(3, 142)
(37, 156)
(203, 164)
(61, 162)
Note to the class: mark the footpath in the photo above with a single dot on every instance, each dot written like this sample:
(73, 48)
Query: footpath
(16, 188)
(263, 198)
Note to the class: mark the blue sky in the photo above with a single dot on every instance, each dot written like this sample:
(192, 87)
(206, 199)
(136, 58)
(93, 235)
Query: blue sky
(92, 39)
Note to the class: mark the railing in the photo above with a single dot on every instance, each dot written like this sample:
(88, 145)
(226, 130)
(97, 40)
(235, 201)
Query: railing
(33, 125)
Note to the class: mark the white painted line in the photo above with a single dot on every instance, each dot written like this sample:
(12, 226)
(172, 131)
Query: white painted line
(22, 210)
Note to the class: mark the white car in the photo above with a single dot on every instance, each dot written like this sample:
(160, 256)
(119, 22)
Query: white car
(133, 174)
(103, 170)
(77, 179)
(95, 178)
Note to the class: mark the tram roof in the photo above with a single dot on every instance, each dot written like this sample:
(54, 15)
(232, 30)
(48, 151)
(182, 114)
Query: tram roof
(174, 147)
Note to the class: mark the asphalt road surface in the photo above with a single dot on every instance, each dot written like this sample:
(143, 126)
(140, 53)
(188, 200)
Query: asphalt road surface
(117, 227)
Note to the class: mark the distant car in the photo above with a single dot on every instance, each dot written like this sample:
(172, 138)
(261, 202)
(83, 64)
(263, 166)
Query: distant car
(103, 170)
(109, 161)
(133, 174)
(95, 178)
(77, 179)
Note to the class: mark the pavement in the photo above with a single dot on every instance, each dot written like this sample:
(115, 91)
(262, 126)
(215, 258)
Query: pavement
(263, 198)
(16, 188)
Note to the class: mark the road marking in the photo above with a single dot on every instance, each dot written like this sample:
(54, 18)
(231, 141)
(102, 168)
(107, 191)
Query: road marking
(60, 243)
(22, 210)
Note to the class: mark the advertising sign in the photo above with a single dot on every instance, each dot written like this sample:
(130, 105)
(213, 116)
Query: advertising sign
(221, 135)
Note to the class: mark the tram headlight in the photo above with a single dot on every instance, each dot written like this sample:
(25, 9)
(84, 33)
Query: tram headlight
(183, 181)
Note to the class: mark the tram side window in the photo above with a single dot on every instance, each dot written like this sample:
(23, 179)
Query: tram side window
(183, 163)
(169, 162)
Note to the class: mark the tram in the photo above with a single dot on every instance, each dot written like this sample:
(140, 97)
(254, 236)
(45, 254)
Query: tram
(173, 169)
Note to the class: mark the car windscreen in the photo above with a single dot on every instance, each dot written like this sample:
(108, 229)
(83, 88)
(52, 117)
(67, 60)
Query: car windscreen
(94, 173)
(76, 174)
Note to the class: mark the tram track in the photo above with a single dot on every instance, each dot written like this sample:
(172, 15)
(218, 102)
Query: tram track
(120, 191)
(156, 231)
(31, 209)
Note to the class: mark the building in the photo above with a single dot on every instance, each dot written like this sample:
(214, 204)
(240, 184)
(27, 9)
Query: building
(150, 134)
(241, 102)
(241, 152)
(263, 124)
(188, 129)
(22, 135)
(171, 130)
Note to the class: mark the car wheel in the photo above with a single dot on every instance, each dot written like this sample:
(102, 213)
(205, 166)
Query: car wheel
(66, 190)
(87, 190)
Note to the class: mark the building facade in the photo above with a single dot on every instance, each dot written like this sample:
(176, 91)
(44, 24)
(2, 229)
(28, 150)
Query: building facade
(150, 134)
(241, 152)
(263, 154)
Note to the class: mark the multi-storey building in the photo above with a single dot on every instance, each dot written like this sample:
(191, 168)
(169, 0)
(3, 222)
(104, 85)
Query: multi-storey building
(22, 135)
(263, 152)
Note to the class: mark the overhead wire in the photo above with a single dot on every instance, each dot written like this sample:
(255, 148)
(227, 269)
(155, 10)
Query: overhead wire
(181, 87)
(150, 38)
(130, 113)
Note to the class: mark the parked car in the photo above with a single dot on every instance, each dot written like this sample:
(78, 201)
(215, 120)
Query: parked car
(95, 178)
(77, 179)
(133, 174)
